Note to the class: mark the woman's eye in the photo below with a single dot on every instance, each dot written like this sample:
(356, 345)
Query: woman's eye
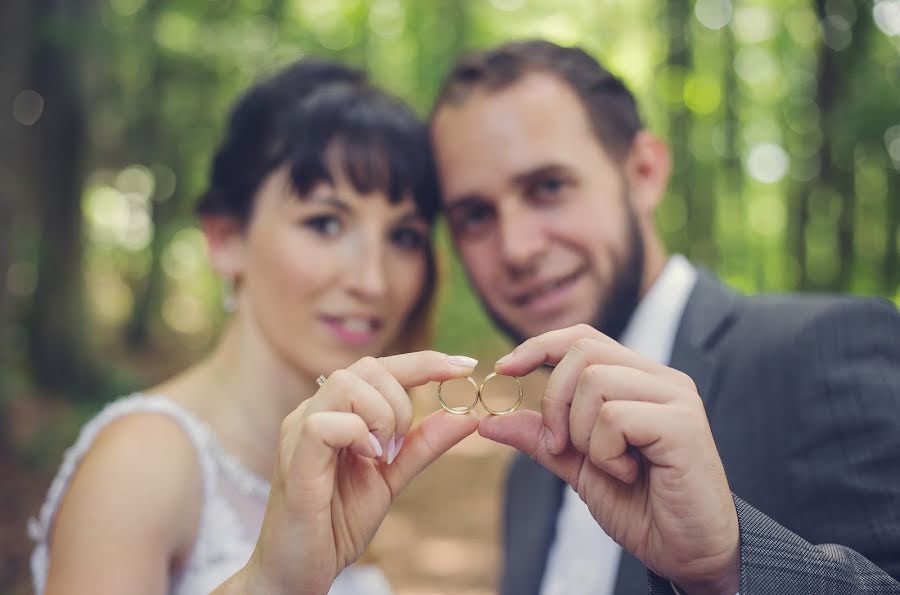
(408, 239)
(326, 225)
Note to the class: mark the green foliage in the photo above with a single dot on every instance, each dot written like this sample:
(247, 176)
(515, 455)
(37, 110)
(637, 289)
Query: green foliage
(786, 174)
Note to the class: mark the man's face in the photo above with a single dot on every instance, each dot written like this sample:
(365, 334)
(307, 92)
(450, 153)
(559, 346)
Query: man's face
(538, 210)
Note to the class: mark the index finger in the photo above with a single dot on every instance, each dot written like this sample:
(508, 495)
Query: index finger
(548, 348)
(421, 367)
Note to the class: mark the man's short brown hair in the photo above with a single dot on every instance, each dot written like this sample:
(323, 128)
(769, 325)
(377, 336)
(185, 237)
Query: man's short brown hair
(610, 106)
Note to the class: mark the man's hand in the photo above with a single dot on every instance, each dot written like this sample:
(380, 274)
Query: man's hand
(631, 437)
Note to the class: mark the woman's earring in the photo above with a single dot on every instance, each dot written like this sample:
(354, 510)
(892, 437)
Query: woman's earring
(229, 297)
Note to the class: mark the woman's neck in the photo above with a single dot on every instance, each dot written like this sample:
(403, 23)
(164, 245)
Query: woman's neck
(244, 389)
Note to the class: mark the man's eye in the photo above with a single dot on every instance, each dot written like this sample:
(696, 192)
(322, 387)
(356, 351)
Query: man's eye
(472, 219)
(325, 225)
(408, 238)
(548, 188)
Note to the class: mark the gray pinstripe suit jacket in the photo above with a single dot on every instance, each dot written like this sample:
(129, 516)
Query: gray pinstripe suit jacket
(803, 397)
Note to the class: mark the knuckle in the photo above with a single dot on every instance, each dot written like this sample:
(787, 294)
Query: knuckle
(585, 329)
(287, 426)
(684, 380)
(583, 344)
(341, 378)
(608, 416)
(579, 433)
(592, 374)
(368, 363)
(311, 425)
(596, 454)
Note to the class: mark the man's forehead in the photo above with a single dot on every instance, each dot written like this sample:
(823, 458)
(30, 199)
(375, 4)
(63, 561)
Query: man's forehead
(537, 91)
(493, 137)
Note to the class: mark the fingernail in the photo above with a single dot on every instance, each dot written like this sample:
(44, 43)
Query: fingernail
(375, 444)
(504, 359)
(391, 451)
(463, 361)
(549, 441)
(399, 446)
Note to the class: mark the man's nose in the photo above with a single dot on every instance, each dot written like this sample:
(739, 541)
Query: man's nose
(522, 238)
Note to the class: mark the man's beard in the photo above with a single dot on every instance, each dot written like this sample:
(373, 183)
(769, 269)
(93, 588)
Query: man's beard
(624, 289)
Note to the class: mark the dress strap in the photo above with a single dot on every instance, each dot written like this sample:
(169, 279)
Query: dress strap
(198, 432)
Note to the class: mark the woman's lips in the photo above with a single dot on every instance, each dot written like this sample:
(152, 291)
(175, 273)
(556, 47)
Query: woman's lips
(353, 330)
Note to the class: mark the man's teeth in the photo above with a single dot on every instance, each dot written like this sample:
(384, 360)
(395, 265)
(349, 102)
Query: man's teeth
(358, 325)
(547, 288)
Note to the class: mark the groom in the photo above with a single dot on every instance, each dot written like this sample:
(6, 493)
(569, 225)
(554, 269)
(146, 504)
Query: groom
(721, 439)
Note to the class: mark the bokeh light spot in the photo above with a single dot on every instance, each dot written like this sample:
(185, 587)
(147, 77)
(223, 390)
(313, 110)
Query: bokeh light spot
(28, 106)
(753, 24)
(126, 8)
(887, 16)
(508, 5)
(713, 14)
(702, 94)
(767, 163)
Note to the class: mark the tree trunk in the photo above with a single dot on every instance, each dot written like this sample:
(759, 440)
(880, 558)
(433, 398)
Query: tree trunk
(836, 67)
(144, 138)
(679, 59)
(891, 268)
(57, 346)
(13, 18)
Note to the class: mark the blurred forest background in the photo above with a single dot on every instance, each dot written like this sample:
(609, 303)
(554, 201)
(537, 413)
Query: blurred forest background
(783, 116)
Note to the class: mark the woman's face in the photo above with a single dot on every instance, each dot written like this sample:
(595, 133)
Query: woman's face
(333, 276)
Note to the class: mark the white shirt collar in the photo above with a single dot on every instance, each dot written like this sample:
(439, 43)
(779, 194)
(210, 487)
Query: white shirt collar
(651, 330)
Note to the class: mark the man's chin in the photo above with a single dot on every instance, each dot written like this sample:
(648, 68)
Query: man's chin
(521, 329)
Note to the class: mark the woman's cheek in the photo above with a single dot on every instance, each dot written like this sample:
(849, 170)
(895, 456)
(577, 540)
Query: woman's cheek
(411, 280)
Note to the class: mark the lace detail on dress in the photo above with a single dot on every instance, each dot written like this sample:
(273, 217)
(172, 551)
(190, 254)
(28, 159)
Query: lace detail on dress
(39, 529)
(234, 500)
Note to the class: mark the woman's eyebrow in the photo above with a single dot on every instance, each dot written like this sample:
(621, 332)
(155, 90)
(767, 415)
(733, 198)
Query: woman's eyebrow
(411, 216)
(331, 200)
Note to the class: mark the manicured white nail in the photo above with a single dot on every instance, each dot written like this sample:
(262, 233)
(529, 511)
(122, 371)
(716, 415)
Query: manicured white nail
(399, 446)
(391, 451)
(504, 359)
(463, 361)
(375, 444)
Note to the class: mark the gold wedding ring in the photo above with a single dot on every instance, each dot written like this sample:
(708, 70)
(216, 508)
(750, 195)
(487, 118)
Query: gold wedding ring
(500, 411)
(463, 409)
(479, 390)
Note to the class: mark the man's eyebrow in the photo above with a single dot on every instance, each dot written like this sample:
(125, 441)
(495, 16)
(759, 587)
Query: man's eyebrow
(464, 201)
(537, 173)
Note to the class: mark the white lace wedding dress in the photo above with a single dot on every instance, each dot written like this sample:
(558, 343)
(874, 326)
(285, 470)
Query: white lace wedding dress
(233, 504)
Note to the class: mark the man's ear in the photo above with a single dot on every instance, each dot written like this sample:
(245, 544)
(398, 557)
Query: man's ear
(647, 168)
(225, 245)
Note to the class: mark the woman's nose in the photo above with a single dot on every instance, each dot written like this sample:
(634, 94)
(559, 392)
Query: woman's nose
(366, 275)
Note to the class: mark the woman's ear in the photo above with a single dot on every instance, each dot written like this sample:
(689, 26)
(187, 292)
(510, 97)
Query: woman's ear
(647, 168)
(225, 245)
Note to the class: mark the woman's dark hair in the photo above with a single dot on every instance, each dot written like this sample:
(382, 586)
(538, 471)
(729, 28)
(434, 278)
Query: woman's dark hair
(320, 120)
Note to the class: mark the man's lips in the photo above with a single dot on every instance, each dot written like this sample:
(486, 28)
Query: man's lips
(538, 290)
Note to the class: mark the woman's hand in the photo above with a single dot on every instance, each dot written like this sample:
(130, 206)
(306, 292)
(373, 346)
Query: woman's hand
(333, 484)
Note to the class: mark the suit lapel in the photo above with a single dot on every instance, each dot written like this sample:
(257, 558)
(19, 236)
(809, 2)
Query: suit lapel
(533, 503)
(707, 315)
